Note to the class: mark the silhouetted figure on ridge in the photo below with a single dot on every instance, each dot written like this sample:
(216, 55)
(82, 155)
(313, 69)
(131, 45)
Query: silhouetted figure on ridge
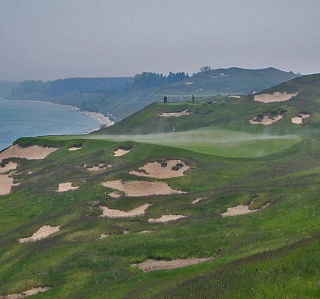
(165, 100)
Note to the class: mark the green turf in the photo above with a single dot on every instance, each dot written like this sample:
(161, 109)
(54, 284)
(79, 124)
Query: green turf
(270, 253)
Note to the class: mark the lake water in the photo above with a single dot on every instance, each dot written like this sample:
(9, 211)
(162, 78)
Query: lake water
(29, 119)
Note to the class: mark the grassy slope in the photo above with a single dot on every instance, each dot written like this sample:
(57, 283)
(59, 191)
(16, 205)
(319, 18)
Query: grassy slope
(78, 265)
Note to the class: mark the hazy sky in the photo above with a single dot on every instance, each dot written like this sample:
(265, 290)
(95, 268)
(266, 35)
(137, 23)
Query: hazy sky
(51, 39)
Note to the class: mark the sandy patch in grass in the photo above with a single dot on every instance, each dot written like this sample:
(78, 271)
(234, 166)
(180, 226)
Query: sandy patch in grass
(120, 152)
(25, 294)
(112, 213)
(168, 169)
(241, 210)
(8, 167)
(175, 114)
(196, 200)
(234, 97)
(141, 188)
(166, 218)
(101, 166)
(102, 236)
(152, 265)
(276, 97)
(34, 152)
(41, 233)
(63, 187)
(299, 119)
(6, 181)
(75, 148)
(267, 120)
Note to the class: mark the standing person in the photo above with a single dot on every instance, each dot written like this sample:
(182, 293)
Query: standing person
(165, 99)
(192, 99)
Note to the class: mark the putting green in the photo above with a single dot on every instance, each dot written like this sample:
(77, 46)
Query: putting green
(223, 143)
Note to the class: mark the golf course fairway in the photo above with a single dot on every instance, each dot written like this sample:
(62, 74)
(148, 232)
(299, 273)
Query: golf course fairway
(224, 143)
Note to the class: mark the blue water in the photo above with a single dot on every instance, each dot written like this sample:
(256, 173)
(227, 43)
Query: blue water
(29, 119)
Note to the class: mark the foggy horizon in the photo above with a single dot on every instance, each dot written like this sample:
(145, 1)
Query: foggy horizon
(46, 41)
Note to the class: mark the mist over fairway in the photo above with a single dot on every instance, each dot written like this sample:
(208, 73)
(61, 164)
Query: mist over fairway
(223, 143)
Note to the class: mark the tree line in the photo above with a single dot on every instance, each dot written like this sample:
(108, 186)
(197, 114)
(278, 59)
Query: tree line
(148, 79)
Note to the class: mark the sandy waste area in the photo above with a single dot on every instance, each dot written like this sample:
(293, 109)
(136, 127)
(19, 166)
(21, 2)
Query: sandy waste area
(267, 120)
(157, 170)
(120, 152)
(140, 188)
(112, 213)
(241, 210)
(152, 265)
(41, 233)
(25, 294)
(63, 187)
(33, 152)
(30, 153)
(166, 218)
(175, 114)
(299, 119)
(275, 97)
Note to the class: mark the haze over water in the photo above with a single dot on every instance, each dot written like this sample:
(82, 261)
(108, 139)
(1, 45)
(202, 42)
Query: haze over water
(28, 119)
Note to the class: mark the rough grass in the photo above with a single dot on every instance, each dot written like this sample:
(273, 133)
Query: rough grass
(250, 250)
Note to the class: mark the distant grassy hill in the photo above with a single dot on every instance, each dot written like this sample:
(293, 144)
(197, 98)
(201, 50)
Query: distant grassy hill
(114, 95)
(230, 81)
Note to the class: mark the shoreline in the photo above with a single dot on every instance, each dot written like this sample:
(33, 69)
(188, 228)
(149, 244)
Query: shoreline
(103, 119)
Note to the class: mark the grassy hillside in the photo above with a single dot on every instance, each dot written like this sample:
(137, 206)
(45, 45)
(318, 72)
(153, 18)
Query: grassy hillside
(229, 81)
(108, 95)
(271, 172)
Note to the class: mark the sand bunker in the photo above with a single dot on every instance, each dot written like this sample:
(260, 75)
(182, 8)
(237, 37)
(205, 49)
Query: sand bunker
(141, 188)
(63, 187)
(276, 97)
(34, 152)
(120, 152)
(112, 213)
(241, 210)
(267, 120)
(162, 170)
(299, 119)
(175, 114)
(234, 97)
(41, 233)
(152, 265)
(6, 181)
(75, 148)
(8, 167)
(25, 294)
(165, 218)
(101, 166)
